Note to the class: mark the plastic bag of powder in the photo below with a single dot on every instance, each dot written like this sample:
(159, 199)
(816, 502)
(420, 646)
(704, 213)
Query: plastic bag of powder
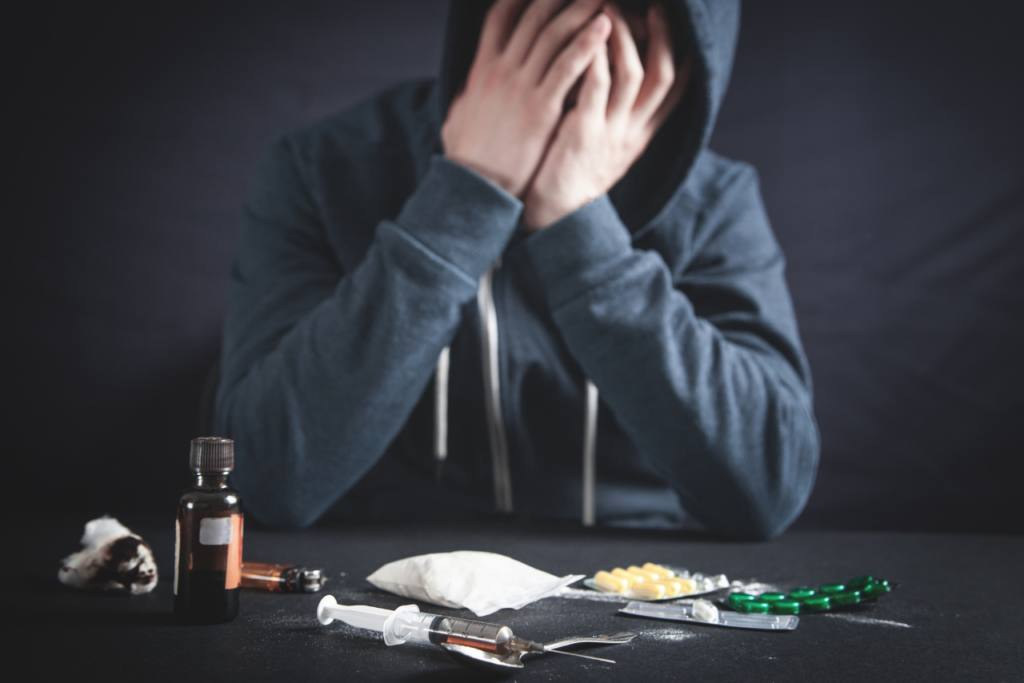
(481, 582)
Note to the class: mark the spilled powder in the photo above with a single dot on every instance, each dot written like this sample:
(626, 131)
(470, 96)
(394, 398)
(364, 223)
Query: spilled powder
(668, 636)
(588, 594)
(859, 619)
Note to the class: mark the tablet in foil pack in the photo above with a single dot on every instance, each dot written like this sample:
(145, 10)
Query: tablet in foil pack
(680, 612)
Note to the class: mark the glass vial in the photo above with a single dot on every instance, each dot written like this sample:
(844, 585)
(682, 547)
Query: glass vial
(208, 537)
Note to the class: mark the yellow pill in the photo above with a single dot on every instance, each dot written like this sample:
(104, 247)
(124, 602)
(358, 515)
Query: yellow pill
(648, 576)
(659, 570)
(672, 587)
(612, 584)
(649, 591)
(689, 586)
(631, 578)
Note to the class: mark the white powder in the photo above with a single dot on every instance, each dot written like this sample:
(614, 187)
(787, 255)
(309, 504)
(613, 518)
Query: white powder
(669, 636)
(588, 594)
(858, 619)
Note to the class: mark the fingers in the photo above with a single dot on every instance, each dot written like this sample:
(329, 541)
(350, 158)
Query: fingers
(627, 70)
(533, 21)
(498, 27)
(558, 33)
(660, 73)
(638, 27)
(593, 97)
(674, 95)
(575, 58)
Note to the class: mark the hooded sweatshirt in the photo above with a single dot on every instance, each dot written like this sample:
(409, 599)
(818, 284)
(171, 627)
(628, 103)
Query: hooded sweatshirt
(366, 256)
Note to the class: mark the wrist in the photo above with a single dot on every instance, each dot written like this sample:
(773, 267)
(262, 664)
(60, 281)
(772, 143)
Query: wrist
(489, 174)
(539, 214)
(460, 216)
(579, 251)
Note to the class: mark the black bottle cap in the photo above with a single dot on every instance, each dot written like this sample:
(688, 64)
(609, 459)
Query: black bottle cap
(212, 454)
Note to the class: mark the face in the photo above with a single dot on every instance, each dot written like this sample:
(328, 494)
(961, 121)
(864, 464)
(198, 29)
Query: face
(636, 16)
(635, 12)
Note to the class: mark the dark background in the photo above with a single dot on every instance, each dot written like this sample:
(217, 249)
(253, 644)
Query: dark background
(887, 134)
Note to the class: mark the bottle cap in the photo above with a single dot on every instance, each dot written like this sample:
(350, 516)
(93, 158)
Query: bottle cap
(212, 454)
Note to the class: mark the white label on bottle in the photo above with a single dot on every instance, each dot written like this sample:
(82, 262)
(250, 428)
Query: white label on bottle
(215, 531)
(177, 552)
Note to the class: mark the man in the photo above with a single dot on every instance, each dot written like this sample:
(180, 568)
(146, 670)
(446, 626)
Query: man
(604, 294)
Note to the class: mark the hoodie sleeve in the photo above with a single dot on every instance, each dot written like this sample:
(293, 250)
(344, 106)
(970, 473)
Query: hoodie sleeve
(702, 368)
(322, 367)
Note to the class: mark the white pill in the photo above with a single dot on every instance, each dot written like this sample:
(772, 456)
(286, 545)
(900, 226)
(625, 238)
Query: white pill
(705, 611)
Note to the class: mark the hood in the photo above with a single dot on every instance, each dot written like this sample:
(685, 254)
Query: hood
(705, 28)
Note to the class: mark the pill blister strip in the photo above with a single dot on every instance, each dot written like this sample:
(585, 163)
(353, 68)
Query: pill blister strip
(676, 612)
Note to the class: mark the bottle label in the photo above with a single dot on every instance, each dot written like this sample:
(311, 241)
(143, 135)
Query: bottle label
(233, 576)
(216, 530)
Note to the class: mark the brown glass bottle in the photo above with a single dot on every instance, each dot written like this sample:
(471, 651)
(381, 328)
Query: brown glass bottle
(208, 542)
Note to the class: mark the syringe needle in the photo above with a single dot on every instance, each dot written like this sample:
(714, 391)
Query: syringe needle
(577, 654)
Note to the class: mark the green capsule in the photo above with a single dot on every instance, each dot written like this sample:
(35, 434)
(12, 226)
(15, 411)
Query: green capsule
(830, 588)
(816, 603)
(802, 592)
(771, 597)
(859, 582)
(754, 607)
(845, 598)
(786, 607)
(873, 591)
(736, 598)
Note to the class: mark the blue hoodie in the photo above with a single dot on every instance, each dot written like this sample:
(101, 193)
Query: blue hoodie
(365, 254)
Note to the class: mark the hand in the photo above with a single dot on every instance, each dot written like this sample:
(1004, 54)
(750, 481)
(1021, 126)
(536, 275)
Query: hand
(618, 111)
(502, 121)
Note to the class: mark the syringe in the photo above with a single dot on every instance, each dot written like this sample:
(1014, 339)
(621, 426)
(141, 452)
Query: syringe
(408, 624)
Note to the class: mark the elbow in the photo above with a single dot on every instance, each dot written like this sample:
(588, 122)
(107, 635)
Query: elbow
(273, 491)
(763, 527)
(281, 512)
(766, 517)
(790, 489)
(771, 501)
(276, 497)
(755, 513)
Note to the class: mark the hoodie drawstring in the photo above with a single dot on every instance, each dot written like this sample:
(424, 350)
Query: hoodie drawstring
(492, 392)
(441, 411)
(590, 455)
(495, 419)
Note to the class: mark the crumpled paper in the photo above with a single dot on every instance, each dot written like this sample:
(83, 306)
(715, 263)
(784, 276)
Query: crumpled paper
(113, 559)
(481, 582)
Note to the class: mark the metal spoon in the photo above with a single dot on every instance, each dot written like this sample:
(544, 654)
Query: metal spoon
(487, 662)
(617, 638)
(506, 665)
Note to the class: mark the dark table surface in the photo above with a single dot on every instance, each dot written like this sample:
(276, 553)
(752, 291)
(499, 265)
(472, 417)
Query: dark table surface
(957, 615)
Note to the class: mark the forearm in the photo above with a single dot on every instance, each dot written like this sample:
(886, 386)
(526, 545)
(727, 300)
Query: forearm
(722, 417)
(313, 407)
